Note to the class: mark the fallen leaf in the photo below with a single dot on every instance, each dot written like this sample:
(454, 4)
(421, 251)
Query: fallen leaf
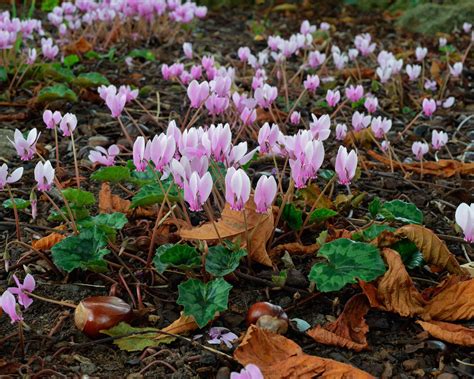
(265, 116)
(80, 46)
(445, 168)
(279, 357)
(452, 333)
(349, 329)
(365, 72)
(312, 193)
(456, 302)
(294, 248)
(433, 249)
(232, 225)
(46, 243)
(184, 324)
(109, 203)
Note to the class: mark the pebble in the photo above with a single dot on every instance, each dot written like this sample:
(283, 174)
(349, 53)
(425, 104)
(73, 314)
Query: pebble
(98, 140)
(7, 151)
(446, 375)
(208, 359)
(411, 364)
(223, 373)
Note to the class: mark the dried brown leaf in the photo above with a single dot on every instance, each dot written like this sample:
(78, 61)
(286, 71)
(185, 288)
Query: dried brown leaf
(47, 242)
(433, 249)
(456, 302)
(445, 168)
(312, 194)
(109, 203)
(279, 357)
(349, 329)
(232, 225)
(184, 324)
(80, 46)
(452, 333)
(294, 248)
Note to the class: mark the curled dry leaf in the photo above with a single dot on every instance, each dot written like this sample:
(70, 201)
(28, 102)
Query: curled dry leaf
(452, 333)
(433, 249)
(231, 225)
(349, 329)
(184, 324)
(279, 357)
(80, 46)
(455, 302)
(445, 168)
(265, 116)
(395, 291)
(294, 248)
(109, 203)
(47, 242)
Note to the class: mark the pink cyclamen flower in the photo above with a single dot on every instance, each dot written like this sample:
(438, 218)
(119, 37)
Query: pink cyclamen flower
(307, 28)
(413, 71)
(243, 53)
(360, 121)
(295, 118)
(429, 107)
(380, 126)
(197, 93)
(31, 58)
(197, 190)
(430, 85)
(248, 116)
(237, 188)
(467, 27)
(105, 91)
(266, 95)
(315, 59)
(311, 83)
(130, 94)
(25, 147)
(320, 127)
(420, 53)
(456, 70)
(49, 50)
(103, 156)
(341, 131)
(332, 98)
(161, 150)
(28, 285)
(419, 149)
(140, 154)
(250, 371)
(438, 139)
(354, 94)
(9, 179)
(166, 71)
(465, 219)
(371, 104)
(221, 335)
(116, 103)
(265, 193)
(188, 50)
(238, 155)
(442, 42)
(267, 137)
(68, 124)
(216, 104)
(8, 304)
(346, 165)
(218, 141)
(449, 102)
(385, 145)
(44, 175)
(51, 119)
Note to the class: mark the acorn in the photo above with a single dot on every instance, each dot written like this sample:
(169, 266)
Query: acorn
(268, 316)
(97, 313)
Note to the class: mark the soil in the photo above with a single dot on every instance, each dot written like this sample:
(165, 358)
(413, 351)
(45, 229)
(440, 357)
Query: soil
(398, 347)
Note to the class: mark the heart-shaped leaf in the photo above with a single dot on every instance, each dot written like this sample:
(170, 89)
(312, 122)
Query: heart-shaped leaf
(114, 174)
(347, 262)
(221, 261)
(203, 300)
(293, 216)
(90, 79)
(78, 197)
(320, 215)
(401, 211)
(152, 194)
(19, 203)
(56, 92)
(181, 256)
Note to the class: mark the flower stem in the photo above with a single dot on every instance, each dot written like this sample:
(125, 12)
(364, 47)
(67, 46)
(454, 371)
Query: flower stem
(15, 212)
(76, 166)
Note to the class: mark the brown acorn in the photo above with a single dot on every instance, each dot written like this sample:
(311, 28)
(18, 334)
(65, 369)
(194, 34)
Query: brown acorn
(97, 313)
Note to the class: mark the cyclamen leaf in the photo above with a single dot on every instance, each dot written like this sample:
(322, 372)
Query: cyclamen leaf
(181, 256)
(320, 215)
(374, 206)
(293, 216)
(85, 251)
(78, 197)
(401, 211)
(372, 232)
(159, 265)
(114, 174)
(347, 262)
(56, 92)
(221, 261)
(20, 203)
(203, 300)
(90, 79)
(152, 193)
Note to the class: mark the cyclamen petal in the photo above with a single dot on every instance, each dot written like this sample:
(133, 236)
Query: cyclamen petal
(465, 219)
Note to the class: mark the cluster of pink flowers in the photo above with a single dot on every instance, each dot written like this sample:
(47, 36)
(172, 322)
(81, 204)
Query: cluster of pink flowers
(438, 140)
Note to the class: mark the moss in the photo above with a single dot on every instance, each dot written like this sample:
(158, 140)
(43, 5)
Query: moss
(432, 18)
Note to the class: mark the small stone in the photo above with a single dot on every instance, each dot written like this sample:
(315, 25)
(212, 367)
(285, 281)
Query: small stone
(411, 364)
(98, 140)
(420, 373)
(208, 359)
(446, 375)
(7, 151)
(223, 373)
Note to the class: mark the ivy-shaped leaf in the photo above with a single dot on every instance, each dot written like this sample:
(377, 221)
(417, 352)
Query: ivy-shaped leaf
(374, 207)
(19, 203)
(56, 92)
(142, 53)
(159, 265)
(108, 223)
(401, 211)
(293, 216)
(181, 256)
(221, 261)
(85, 251)
(203, 300)
(91, 79)
(79, 213)
(372, 232)
(78, 197)
(347, 262)
(411, 256)
(152, 194)
(113, 174)
(322, 214)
